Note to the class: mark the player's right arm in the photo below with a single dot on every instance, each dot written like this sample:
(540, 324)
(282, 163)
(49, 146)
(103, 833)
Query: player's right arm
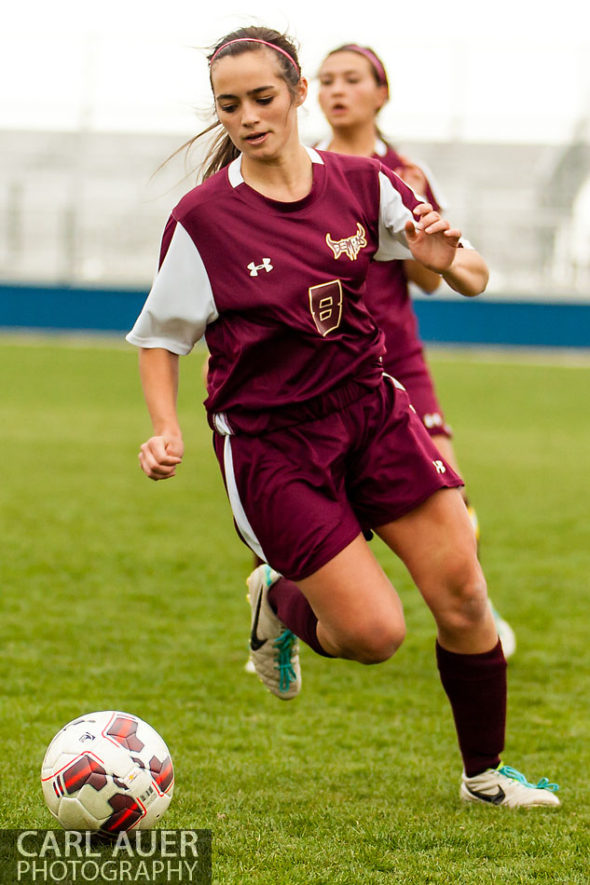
(161, 453)
(173, 318)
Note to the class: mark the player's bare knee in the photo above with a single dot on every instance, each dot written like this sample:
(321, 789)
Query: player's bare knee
(379, 642)
(468, 605)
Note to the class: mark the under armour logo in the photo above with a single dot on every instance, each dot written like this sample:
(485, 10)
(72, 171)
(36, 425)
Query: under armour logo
(433, 420)
(254, 268)
(440, 467)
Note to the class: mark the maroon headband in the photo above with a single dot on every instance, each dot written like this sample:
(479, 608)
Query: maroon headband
(372, 58)
(254, 40)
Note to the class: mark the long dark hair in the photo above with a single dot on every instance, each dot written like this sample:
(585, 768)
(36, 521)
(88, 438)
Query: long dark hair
(222, 150)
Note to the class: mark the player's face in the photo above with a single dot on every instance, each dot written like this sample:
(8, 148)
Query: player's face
(349, 94)
(254, 104)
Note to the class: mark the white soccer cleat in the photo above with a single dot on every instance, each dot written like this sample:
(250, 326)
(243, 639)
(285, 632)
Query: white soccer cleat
(506, 634)
(274, 649)
(507, 786)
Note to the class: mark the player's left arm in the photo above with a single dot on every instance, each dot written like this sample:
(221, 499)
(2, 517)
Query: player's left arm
(409, 228)
(425, 279)
(435, 244)
(468, 274)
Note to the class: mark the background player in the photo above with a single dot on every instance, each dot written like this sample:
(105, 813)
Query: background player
(353, 87)
(268, 258)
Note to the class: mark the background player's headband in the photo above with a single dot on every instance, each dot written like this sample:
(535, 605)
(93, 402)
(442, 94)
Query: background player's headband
(374, 59)
(254, 40)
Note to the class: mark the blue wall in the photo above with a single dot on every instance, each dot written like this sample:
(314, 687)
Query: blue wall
(452, 320)
(62, 308)
(519, 323)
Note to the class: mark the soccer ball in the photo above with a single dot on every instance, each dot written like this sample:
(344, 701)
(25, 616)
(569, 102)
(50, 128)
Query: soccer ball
(108, 772)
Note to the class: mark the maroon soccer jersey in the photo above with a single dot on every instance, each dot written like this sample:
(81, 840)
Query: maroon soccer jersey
(387, 155)
(388, 298)
(387, 294)
(277, 288)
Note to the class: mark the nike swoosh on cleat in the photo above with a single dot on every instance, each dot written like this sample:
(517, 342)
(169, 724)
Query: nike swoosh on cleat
(496, 799)
(255, 642)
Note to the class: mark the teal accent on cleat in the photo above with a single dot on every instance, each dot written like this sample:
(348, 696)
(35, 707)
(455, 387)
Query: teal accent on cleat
(284, 663)
(543, 784)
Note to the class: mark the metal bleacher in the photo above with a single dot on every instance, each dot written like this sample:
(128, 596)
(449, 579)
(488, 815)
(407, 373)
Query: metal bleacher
(88, 207)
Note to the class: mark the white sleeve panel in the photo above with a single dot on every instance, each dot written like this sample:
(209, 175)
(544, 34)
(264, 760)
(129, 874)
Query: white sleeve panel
(180, 304)
(393, 215)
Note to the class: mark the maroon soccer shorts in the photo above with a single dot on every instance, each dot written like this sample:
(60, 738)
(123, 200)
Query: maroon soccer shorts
(413, 373)
(301, 494)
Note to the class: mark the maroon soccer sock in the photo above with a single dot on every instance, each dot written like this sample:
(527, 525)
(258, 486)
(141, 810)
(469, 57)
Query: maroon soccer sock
(476, 688)
(293, 609)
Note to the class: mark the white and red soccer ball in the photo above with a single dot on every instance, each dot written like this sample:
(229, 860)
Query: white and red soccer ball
(108, 772)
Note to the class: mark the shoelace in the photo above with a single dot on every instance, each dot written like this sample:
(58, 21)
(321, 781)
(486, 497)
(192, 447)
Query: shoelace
(284, 644)
(518, 776)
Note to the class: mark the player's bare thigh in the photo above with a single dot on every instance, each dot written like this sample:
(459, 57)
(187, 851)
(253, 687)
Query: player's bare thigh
(359, 613)
(437, 544)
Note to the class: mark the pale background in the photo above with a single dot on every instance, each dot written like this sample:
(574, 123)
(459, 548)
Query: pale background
(495, 98)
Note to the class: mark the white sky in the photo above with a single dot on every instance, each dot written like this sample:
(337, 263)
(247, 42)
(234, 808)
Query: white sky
(507, 70)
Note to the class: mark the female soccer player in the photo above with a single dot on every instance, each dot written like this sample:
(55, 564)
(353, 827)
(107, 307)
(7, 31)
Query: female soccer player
(268, 258)
(353, 87)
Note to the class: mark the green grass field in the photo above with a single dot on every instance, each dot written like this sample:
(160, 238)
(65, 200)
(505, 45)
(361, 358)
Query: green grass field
(125, 594)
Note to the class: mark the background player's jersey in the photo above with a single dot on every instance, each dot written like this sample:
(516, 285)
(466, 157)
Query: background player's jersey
(277, 288)
(387, 294)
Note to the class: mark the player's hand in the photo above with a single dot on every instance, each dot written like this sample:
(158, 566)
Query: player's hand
(432, 240)
(159, 456)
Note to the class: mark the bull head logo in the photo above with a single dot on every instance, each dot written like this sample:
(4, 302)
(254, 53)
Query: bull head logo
(350, 246)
